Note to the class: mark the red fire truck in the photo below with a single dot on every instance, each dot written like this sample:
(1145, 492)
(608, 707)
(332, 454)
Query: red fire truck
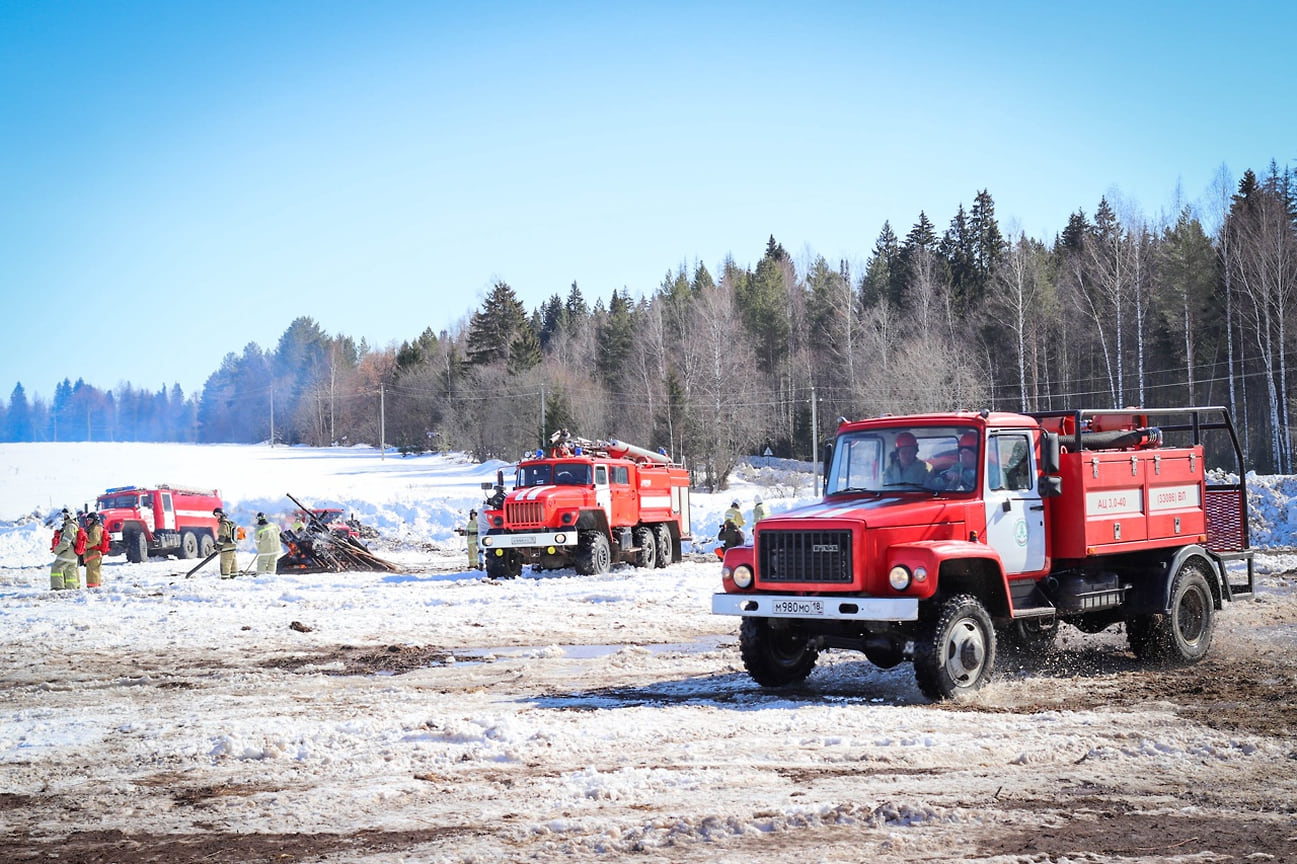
(939, 535)
(585, 505)
(164, 520)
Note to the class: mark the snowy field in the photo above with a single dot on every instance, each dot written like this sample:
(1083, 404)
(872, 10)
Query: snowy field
(429, 715)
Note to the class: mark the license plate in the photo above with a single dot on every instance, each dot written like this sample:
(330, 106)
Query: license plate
(524, 540)
(799, 608)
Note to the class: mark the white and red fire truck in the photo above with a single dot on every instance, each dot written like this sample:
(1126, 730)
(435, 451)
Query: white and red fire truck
(586, 504)
(1094, 518)
(163, 520)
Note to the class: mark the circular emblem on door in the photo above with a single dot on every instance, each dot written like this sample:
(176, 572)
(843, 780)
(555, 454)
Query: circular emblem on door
(1020, 532)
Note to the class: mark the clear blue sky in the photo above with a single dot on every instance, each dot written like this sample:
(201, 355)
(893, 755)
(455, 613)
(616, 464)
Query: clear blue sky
(178, 179)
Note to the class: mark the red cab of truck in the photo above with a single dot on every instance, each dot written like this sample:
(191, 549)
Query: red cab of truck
(942, 537)
(586, 504)
(162, 520)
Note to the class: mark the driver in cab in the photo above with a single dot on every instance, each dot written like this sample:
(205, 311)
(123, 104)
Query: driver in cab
(904, 468)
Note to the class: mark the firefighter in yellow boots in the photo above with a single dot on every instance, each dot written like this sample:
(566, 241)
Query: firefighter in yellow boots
(96, 549)
(64, 572)
(470, 534)
(226, 542)
(268, 547)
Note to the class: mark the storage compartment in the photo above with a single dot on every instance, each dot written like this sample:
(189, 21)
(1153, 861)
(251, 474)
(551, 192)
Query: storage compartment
(1116, 501)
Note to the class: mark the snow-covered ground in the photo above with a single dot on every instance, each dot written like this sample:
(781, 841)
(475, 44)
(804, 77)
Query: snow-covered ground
(430, 715)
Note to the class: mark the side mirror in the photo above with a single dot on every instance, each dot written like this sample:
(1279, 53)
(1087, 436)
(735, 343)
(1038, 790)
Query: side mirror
(1050, 459)
(488, 485)
(828, 461)
(1051, 487)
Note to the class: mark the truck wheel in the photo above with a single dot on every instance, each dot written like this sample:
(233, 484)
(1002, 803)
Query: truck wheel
(189, 545)
(206, 545)
(506, 566)
(137, 547)
(955, 651)
(1030, 636)
(1183, 635)
(775, 656)
(1143, 635)
(648, 547)
(592, 554)
(662, 534)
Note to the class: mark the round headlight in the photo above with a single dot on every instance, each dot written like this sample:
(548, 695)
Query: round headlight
(743, 576)
(899, 577)
(488, 541)
(560, 539)
(498, 521)
(920, 574)
(567, 518)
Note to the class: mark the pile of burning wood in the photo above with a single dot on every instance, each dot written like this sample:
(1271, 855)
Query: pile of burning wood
(317, 548)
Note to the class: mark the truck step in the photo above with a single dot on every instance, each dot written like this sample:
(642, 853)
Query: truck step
(1029, 601)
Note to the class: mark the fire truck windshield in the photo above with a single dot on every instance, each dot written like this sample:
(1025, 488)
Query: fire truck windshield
(118, 502)
(897, 459)
(535, 475)
(549, 474)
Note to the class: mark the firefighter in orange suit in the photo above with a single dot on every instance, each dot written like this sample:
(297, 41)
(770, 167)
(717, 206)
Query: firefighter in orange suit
(96, 549)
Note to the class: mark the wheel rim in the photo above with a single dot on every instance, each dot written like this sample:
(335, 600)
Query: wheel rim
(965, 652)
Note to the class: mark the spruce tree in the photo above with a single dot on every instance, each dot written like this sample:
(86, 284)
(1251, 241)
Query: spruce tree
(493, 327)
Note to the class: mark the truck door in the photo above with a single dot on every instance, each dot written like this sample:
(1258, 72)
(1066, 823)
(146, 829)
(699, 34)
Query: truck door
(602, 495)
(168, 513)
(624, 511)
(1015, 515)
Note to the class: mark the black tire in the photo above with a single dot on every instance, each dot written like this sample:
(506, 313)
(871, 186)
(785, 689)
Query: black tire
(776, 656)
(593, 557)
(506, 566)
(1183, 635)
(955, 650)
(1142, 634)
(206, 545)
(137, 546)
(189, 545)
(648, 547)
(666, 551)
(1031, 637)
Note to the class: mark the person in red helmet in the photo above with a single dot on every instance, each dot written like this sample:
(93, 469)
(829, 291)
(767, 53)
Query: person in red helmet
(962, 476)
(904, 467)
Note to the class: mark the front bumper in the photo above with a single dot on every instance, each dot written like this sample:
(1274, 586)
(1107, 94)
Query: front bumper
(528, 541)
(822, 607)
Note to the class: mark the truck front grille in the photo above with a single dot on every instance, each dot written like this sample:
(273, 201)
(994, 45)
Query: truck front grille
(804, 556)
(524, 513)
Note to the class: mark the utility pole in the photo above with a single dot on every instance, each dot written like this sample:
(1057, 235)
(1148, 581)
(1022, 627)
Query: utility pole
(382, 423)
(815, 444)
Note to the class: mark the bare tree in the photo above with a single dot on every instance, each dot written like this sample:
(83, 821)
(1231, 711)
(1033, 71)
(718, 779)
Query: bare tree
(1017, 300)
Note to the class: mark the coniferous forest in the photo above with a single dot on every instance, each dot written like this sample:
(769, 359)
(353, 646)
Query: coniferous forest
(1115, 310)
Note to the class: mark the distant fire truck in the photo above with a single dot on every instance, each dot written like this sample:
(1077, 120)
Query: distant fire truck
(585, 505)
(941, 534)
(164, 520)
